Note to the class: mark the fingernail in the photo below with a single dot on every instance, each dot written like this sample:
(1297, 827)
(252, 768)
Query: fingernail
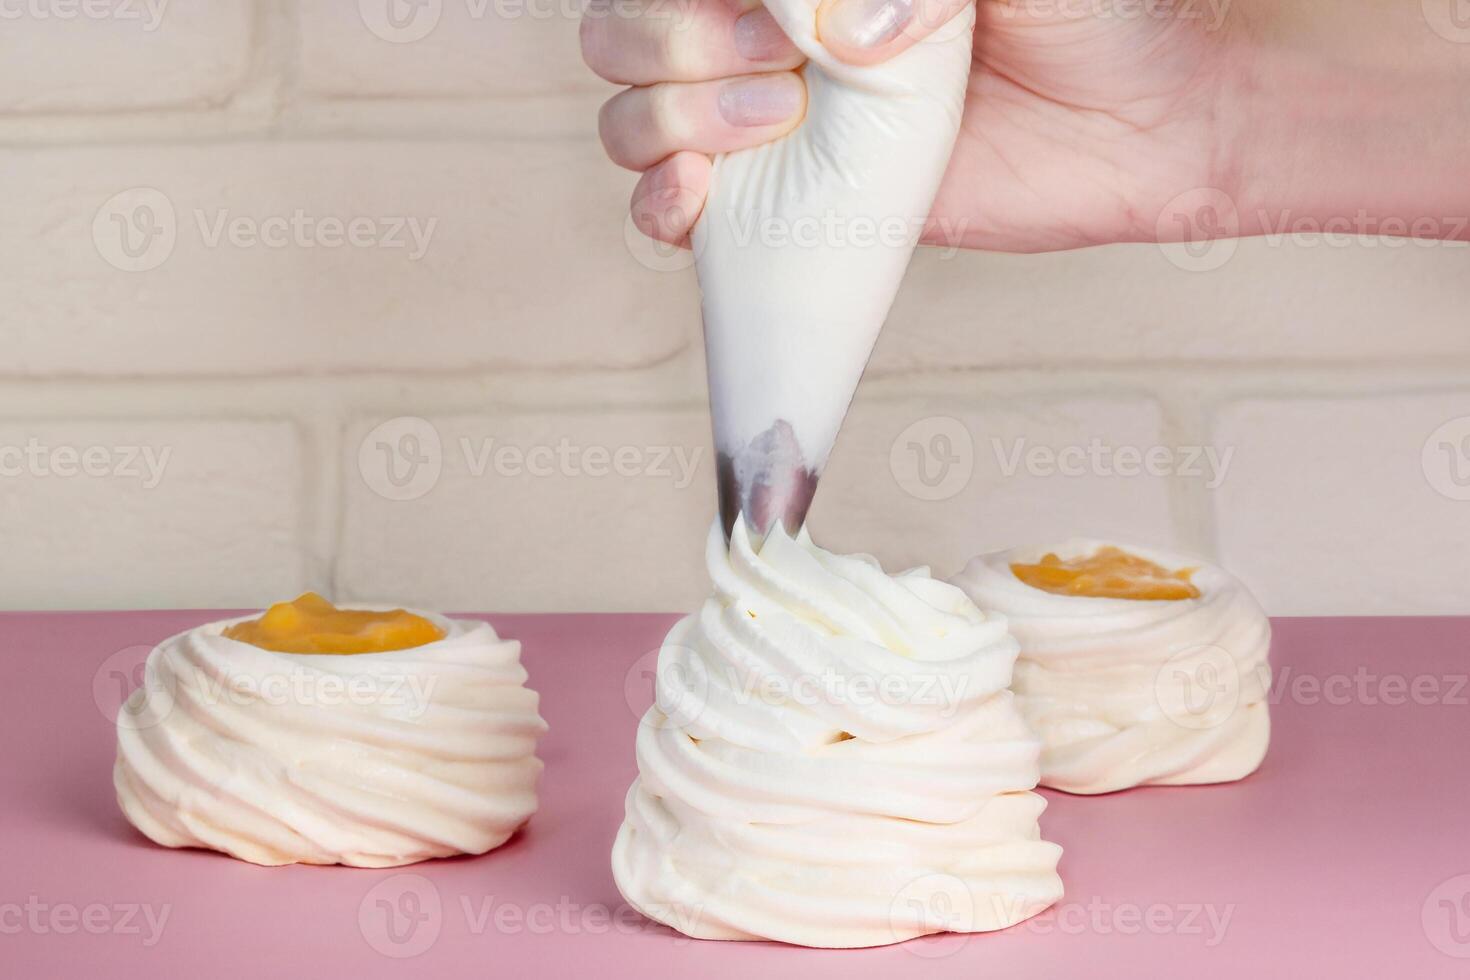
(760, 101)
(867, 23)
(759, 38)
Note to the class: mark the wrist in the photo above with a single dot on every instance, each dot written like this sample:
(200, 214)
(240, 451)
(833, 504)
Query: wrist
(1350, 125)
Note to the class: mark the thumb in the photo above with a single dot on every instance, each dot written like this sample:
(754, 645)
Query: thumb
(865, 32)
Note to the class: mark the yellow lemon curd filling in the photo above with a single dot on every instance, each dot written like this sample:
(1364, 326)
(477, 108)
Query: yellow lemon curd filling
(311, 624)
(1108, 573)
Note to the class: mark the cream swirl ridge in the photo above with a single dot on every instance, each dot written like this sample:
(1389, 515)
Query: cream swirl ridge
(1132, 692)
(371, 760)
(832, 750)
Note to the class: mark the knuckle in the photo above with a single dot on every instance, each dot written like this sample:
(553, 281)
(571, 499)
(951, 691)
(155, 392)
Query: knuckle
(666, 115)
(675, 51)
(611, 130)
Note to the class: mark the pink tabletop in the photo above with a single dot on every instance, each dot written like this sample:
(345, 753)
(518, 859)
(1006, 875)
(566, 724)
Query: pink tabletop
(1346, 855)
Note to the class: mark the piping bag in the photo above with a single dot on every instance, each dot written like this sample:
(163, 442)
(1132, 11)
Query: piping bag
(800, 250)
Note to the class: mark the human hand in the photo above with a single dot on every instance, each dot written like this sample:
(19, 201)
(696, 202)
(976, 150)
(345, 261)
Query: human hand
(1076, 128)
(1086, 121)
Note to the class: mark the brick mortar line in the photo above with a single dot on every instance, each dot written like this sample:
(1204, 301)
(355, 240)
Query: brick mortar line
(1426, 362)
(678, 386)
(683, 356)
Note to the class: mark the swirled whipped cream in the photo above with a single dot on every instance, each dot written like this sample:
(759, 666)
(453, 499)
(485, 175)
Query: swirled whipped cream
(1133, 692)
(370, 759)
(833, 760)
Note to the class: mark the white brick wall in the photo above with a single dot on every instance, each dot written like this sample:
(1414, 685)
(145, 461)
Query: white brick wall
(116, 55)
(264, 359)
(933, 479)
(468, 259)
(1330, 492)
(530, 510)
(119, 513)
(1299, 302)
(490, 48)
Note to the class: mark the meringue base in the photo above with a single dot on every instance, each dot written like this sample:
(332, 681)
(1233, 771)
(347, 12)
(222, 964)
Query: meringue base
(1142, 756)
(373, 760)
(1131, 692)
(883, 880)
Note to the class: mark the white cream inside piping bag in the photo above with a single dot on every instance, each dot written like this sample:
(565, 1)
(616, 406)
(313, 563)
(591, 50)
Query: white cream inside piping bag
(800, 250)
